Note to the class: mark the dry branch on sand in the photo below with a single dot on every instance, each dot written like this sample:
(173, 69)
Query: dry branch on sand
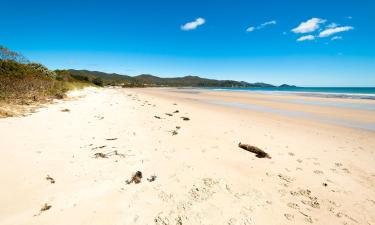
(259, 152)
(152, 178)
(106, 155)
(45, 207)
(50, 179)
(111, 139)
(136, 178)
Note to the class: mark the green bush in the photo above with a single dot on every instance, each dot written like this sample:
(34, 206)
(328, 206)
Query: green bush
(98, 81)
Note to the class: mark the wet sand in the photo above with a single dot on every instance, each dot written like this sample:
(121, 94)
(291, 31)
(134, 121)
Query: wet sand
(320, 172)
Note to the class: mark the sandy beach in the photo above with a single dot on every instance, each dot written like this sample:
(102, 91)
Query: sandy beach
(321, 169)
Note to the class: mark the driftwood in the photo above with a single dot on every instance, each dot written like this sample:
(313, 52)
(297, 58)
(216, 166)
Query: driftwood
(136, 178)
(105, 155)
(111, 139)
(185, 118)
(103, 146)
(45, 207)
(152, 178)
(50, 179)
(100, 155)
(259, 152)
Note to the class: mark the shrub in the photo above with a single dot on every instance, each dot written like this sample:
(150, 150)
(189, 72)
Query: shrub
(98, 81)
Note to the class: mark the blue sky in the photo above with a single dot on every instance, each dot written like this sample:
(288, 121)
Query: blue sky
(255, 41)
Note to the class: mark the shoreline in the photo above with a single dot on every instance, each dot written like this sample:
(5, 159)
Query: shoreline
(318, 173)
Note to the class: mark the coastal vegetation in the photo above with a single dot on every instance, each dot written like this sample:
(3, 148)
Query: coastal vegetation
(25, 82)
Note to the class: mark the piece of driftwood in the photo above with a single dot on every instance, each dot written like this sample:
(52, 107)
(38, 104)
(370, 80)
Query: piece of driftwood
(136, 178)
(111, 139)
(116, 153)
(106, 155)
(100, 155)
(152, 178)
(103, 146)
(50, 179)
(185, 118)
(45, 207)
(259, 152)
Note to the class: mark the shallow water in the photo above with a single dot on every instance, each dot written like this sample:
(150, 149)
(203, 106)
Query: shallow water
(360, 106)
(297, 114)
(323, 92)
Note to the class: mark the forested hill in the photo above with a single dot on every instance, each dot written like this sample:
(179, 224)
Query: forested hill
(150, 80)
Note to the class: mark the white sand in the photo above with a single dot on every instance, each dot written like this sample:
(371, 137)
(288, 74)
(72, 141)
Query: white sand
(202, 176)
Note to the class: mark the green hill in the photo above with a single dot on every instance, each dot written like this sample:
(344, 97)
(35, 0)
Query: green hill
(154, 81)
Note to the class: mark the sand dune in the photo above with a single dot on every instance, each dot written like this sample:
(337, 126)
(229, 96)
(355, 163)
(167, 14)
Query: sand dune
(193, 171)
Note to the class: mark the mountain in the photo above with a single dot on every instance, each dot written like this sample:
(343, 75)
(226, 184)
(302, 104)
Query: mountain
(287, 86)
(151, 80)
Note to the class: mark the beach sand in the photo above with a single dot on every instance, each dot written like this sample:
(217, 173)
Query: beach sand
(321, 169)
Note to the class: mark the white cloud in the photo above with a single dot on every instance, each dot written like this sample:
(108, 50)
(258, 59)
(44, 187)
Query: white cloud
(306, 38)
(336, 38)
(308, 26)
(194, 24)
(272, 22)
(250, 29)
(263, 25)
(331, 31)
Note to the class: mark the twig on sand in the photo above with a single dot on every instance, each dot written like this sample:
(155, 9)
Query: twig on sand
(100, 155)
(259, 152)
(45, 207)
(152, 178)
(103, 146)
(50, 179)
(157, 117)
(169, 114)
(136, 178)
(111, 139)
(106, 155)
(185, 118)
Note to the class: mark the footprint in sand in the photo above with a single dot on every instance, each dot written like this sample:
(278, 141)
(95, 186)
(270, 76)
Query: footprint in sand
(293, 205)
(289, 216)
(318, 172)
(203, 192)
